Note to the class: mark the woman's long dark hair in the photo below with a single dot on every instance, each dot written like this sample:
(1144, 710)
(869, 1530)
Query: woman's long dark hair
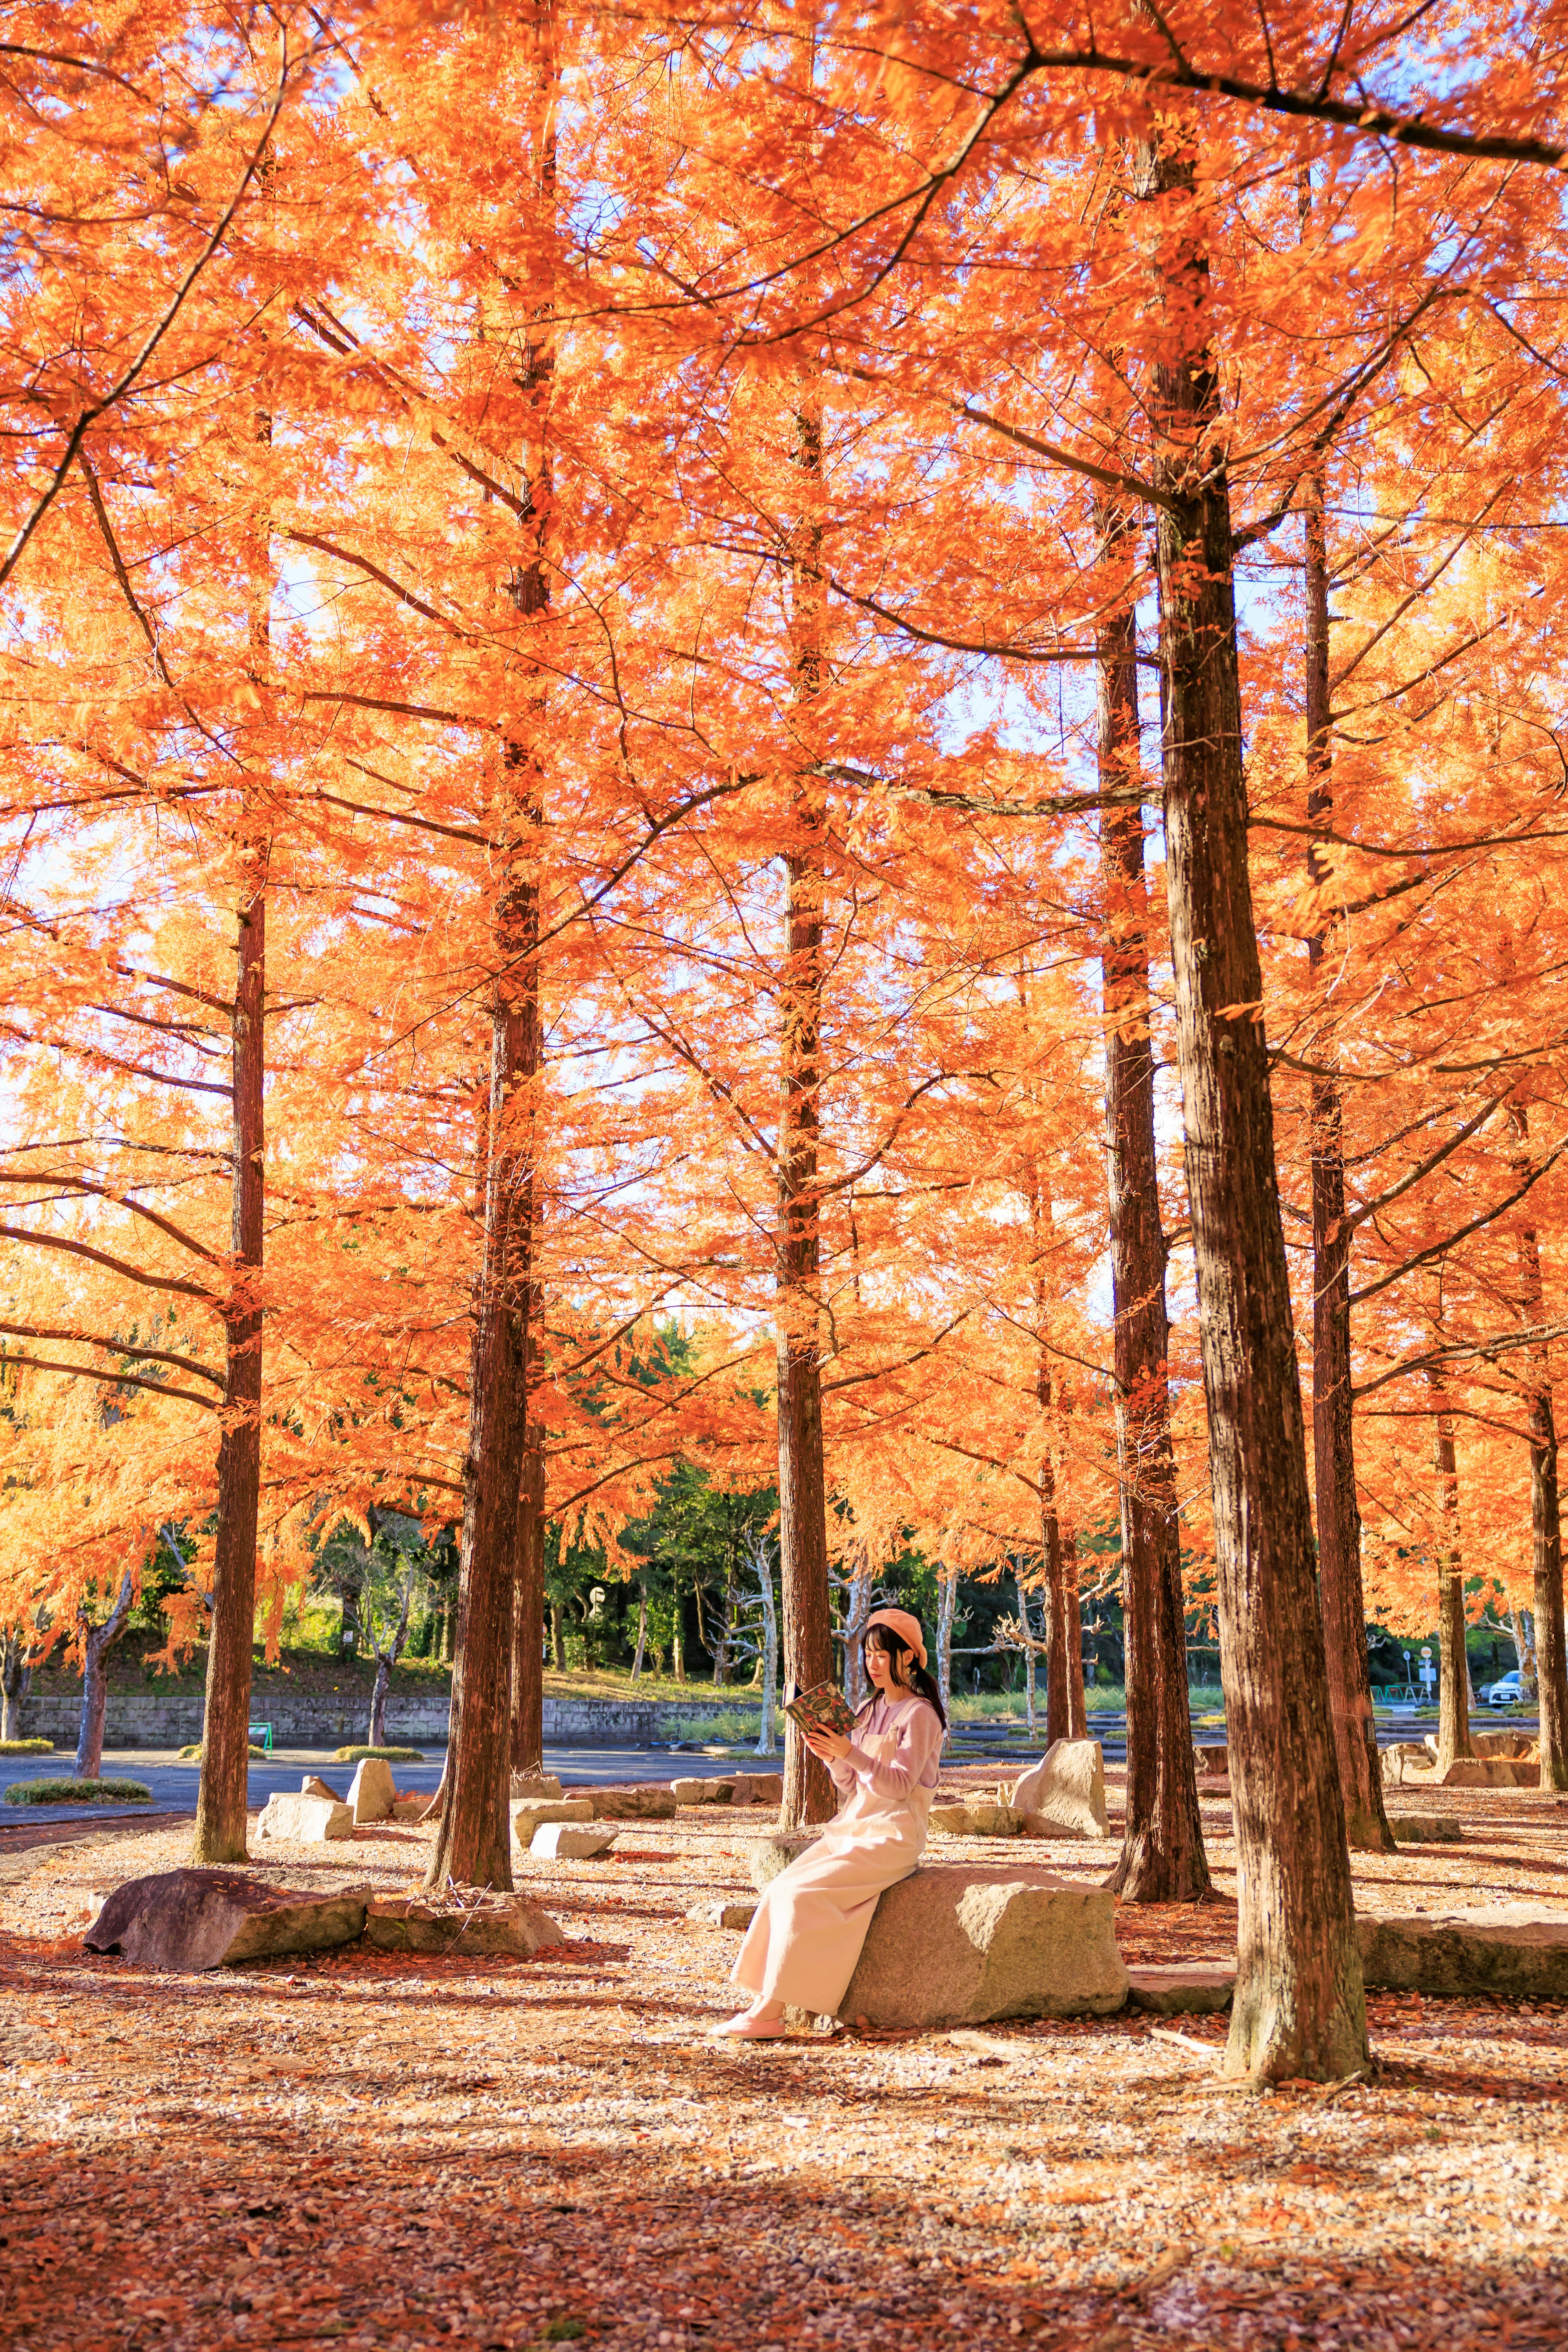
(908, 1672)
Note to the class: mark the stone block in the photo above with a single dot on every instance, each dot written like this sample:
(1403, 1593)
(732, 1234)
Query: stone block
(770, 1855)
(313, 1785)
(1068, 1787)
(758, 1788)
(410, 1806)
(1505, 1744)
(951, 1821)
(372, 1791)
(647, 1801)
(1405, 1761)
(1426, 1828)
(216, 1918)
(571, 1842)
(1211, 1760)
(955, 1944)
(696, 1790)
(1186, 1989)
(503, 1924)
(536, 1787)
(1516, 1950)
(308, 1821)
(722, 1913)
(1474, 1772)
(530, 1814)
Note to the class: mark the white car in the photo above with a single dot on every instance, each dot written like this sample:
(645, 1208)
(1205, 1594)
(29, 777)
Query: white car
(1508, 1692)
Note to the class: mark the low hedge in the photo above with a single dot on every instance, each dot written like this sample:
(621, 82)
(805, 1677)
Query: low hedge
(388, 1754)
(192, 1754)
(79, 1792)
(26, 1747)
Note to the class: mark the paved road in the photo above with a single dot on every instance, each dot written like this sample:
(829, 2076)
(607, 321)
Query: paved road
(173, 1784)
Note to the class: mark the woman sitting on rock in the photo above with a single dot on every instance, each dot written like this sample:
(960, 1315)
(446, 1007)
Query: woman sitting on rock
(801, 1948)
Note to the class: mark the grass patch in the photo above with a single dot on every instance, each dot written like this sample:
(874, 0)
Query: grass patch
(389, 1755)
(192, 1754)
(79, 1792)
(729, 1724)
(26, 1747)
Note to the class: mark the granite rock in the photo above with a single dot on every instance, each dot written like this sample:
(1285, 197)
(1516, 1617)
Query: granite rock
(1068, 1787)
(372, 1791)
(770, 1855)
(1186, 1989)
(216, 1918)
(403, 1923)
(955, 1944)
(571, 1841)
(308, 1821)
(1516, 1950)
(1426, 1828)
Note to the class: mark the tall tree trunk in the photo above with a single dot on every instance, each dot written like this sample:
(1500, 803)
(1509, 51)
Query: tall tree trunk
(1163, 1858)
(1453, 1664)
(1299, 2009)
(1060, 1612)
(528, 1612)
(1334, 1436)
(642, 1629)
(809, 1793)
(473, 1846)
(15, 1681)
(97, 1643)
(379, 1690)
(225, 1781)
(946, 1607)
(1545, 1516)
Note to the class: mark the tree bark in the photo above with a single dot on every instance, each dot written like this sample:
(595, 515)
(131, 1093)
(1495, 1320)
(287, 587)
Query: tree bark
(808, 1794)
(528, 1615)
(1163, 1858)
(225, 1781)
(1299, 2009)
(1546, 1513)
(1453, 1664)
(97, 1643)
(15, 1681)
(1334, 1436)
(379, 1689)
(946, 1604)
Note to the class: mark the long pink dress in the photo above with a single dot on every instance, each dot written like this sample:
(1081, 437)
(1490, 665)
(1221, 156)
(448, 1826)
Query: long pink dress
(802, 1946)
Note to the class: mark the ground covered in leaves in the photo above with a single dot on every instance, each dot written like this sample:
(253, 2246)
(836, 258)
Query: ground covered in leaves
(370, 2151)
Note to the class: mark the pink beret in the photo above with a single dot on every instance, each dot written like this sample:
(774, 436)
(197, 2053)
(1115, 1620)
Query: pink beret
(901, 1622)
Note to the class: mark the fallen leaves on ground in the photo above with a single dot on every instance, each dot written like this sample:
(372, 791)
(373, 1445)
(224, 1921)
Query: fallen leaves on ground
(373, 2149)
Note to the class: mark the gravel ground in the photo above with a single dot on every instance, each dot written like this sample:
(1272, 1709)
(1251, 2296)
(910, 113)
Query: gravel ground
(376, 2151)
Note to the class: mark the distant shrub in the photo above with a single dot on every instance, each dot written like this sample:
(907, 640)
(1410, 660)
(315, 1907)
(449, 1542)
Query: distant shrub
(192, 1754)
(388, 1755)
(79, 1792)
(26, 1747)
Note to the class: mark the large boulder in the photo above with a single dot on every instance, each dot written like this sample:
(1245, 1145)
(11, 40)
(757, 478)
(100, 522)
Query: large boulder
(1404, 1762)
(1513, 1745)
(981, 1817)
(758, 1788)
(1516, 1950)
(1211, 1761)
(216, 1918)
(953, 1945)
(305, 1820)
(313, 1785)
(372, 1791)
(499, 1923)
(1067, 1790)
(1480, 1772)
(536, 1785)
(770, 1855)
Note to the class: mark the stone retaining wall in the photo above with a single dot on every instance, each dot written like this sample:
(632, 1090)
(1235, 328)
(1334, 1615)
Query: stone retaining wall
(139, 1719)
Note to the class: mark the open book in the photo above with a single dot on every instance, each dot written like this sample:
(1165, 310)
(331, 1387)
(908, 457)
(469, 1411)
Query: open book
(821, 1708)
